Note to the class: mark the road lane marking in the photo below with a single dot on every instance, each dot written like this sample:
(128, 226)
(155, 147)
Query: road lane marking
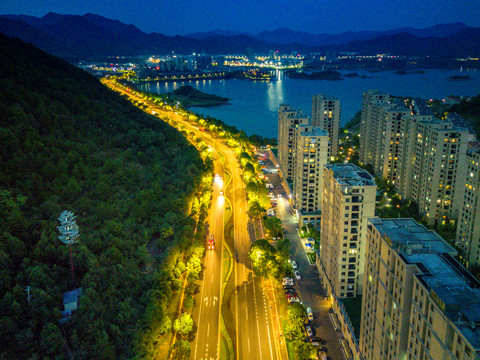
(248, 341)
(208, 329)
(269, 341)
(246, 313)
(259, 340)
(212, 278)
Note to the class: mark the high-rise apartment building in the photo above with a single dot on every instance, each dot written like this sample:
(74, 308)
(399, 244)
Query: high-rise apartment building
(326, 113)
(349, 195)
(288, 120)
(310, 156)
(439, 170)
(369, 99)
(418, 301)
(468, 227)
(407, 153)
(387, 119)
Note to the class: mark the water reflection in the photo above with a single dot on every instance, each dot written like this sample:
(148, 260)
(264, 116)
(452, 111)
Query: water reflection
(254, 105)
(275, 95)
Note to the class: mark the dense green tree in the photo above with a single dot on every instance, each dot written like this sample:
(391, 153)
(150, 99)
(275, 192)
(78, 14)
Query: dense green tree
(67, 142)
(254, 208)
(180, 350)
(274, 226)
(266, 259)
(184, 324)
(165, 325)
(296, 313)
(305, 350)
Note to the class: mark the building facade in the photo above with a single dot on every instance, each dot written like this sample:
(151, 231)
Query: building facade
(369, 99)
(349, 196)
(407, 153)
(468, 226)
(311, 155)
(326, 113)
(418, 302)
(439, 170)
(288, 121)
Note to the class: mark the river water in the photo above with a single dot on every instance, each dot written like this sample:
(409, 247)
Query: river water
(254, 105)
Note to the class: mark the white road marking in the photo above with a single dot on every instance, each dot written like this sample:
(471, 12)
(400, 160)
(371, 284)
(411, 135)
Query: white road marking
(248, 341)
(208, 329)
(259, 340)
(270, 342)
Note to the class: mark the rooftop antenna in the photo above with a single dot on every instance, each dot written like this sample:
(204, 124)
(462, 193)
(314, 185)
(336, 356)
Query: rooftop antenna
(68, 235)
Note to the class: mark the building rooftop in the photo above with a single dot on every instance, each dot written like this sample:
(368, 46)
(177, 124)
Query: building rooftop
(325, 97)
(72, 296)
(451, 286)
(308, 130)
(351, 175)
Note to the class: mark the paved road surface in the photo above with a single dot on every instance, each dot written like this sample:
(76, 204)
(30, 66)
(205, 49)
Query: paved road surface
(254, 333)
(309, 287)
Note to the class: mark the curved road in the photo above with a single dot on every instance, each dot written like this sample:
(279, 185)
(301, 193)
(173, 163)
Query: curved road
(254, 338)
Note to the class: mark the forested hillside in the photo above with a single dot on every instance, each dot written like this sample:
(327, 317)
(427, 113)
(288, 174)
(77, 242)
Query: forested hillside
(470, 110)
(68, 143)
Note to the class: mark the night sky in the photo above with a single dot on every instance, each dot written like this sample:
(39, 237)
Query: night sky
(181, 17)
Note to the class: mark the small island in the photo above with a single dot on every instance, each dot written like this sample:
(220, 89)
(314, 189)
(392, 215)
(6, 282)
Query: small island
(459, 78)
(404, 72)
(190, 97)
(321, 75)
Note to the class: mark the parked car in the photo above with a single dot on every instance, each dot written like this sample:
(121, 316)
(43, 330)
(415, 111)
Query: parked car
(322, 355)
(294, 265)
(297, 275)
(310, 314)
(309, 331)
(288, 287)
(292, 300)
(290, 291)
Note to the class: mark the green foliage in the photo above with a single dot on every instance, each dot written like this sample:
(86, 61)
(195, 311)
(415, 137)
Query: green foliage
(69, 143)
(180, 350)
(274, 227)
(357, 118)
(184, 324)
(165, 325)
(305, 350)
(192, 288)
(267, 260)
(290, 332)
(254, 208)
(296, 314)
(188, 302)
(470, 110)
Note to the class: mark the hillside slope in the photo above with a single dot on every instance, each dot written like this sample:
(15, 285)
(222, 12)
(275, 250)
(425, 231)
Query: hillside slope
(67, 142)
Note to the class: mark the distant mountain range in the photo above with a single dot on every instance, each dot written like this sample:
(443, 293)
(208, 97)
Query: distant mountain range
(285, 36)
(92, 35)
